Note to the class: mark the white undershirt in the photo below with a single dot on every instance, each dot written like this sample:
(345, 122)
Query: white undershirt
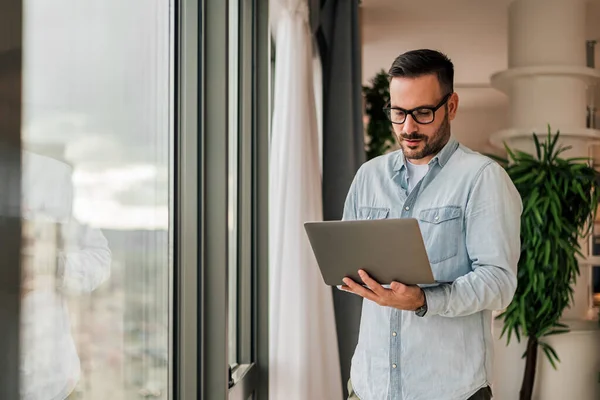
(415, 173)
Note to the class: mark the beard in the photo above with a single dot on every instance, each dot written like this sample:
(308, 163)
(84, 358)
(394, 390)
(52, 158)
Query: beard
(430, 145)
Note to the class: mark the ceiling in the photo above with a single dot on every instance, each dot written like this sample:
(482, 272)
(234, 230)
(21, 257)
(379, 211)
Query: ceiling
(473, 33)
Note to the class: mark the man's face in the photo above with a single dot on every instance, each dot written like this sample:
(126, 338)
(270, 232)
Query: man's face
(421, 142)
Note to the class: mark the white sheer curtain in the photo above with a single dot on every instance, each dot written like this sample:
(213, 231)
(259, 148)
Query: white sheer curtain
(304, 359)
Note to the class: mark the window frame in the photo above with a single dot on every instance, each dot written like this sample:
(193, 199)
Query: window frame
(186, 318)
(200, 343)
(10, 223)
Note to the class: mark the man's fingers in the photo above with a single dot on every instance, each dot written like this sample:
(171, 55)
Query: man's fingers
(348, 289)
(397, 287)
(359, 289)
(372, 284)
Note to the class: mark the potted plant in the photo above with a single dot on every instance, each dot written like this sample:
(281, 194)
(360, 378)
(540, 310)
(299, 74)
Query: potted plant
(380, 138)
(560, 197)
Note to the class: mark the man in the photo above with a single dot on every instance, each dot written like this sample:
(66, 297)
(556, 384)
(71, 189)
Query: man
(434, 342)
(59, 255)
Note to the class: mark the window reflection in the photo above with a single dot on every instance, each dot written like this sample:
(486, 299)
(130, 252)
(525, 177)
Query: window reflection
(61, 259)
(96, 200)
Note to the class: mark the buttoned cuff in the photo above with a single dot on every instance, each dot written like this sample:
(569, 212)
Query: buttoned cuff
(437, 299)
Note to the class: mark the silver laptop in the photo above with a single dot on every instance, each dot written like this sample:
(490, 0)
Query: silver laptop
(387, 249)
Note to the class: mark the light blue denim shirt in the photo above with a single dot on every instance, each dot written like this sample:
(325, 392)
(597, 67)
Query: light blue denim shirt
(469, 213)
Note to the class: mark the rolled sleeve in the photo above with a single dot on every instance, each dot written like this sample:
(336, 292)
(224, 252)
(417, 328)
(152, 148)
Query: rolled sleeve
(437, 299)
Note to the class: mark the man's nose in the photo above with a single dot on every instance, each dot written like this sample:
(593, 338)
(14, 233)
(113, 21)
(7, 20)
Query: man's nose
(410, 125)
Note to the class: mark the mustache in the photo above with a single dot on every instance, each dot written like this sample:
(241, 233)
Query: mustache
(413, 136)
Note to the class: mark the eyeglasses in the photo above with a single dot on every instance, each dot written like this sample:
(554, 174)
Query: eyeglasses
(421, 115)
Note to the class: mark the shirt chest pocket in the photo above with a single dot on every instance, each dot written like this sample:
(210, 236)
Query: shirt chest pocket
(441, 229)
(373, 212)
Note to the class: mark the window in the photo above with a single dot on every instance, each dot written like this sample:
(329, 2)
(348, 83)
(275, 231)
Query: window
(139, 208)
(97, 199)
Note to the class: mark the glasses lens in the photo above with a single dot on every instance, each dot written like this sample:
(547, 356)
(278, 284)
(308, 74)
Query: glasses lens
(423, 115)
(396, 116)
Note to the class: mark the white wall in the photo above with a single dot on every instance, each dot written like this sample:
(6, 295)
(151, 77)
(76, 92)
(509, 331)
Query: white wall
(473, 34)
(473, 127)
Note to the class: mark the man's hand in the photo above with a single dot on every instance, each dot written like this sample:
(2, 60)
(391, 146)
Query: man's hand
(399, 296)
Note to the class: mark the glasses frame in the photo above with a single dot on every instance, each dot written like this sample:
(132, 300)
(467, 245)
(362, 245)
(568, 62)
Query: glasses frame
(387, 110)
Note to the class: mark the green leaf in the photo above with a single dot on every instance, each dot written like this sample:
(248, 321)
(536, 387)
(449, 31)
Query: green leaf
(531, 201)
(538, 216)
(561, 150)
(554, 141)
(547, 253)
(524, 156)
(529, 176)
(579, 159)
(540, 177)
(537, 147)
(555, 213)
(557, 332)
(550, 354)
(510, 152)
(579, 189)
(505, 328)
(545, 307)
(578, 252)
(522, 316)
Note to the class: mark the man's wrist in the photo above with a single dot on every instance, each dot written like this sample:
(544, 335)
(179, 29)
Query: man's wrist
(422, 300)
(422, 309)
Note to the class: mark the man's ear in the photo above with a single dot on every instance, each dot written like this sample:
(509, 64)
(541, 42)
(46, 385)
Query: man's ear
(452, 106)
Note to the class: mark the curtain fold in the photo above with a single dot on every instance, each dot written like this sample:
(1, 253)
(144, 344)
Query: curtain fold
(304, 358)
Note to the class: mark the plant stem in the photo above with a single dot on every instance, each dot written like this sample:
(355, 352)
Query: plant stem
(530, 366)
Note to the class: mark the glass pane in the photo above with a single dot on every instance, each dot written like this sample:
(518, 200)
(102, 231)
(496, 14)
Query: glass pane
(233, 176)
(97, 162)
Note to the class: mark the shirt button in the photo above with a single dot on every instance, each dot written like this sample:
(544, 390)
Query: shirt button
(436, 218)
(407, 208)
(394, 365)
(394, 333)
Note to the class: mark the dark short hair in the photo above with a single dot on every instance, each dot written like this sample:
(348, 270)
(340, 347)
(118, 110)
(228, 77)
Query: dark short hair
(416, 63)
(10, 61)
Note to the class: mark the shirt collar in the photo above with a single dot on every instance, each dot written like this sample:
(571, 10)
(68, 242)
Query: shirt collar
(442, 157)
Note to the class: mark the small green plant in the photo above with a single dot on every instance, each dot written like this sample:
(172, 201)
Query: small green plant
(380, 138)
(560, 197)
